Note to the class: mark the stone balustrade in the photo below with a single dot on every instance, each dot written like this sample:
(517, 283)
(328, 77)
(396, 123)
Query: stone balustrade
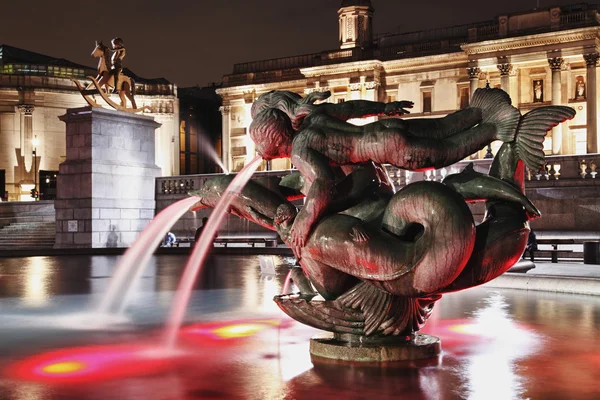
(569, 199)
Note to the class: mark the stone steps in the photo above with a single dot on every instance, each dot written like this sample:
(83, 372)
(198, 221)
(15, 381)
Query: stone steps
(27, 235)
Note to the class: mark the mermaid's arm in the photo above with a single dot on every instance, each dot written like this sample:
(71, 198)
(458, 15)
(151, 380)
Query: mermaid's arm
(363, 108)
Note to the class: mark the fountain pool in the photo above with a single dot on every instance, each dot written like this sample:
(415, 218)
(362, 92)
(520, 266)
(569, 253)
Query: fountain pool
(236, 344)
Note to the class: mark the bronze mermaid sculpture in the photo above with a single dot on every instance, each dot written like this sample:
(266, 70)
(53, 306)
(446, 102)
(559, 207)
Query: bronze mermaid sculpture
(379, 259)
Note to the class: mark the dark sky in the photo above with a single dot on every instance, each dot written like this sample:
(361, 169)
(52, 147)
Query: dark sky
(194, 42)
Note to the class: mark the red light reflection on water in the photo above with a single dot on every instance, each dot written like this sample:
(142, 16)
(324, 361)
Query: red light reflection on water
(105, 362)
(234, 329)
(82, 364)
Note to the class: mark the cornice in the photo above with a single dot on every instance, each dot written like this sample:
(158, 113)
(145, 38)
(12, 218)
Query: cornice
(342, 68)
(542, 39)
(259, 87)
(451, 60)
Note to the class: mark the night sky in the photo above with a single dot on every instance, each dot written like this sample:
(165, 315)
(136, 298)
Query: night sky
(194, 42)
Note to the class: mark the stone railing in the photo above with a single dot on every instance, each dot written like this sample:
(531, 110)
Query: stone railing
(179, 186)
(564, 193)
(563, 168)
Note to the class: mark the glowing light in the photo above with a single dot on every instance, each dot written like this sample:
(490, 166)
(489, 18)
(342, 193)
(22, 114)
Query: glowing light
(223, 331)
(93, 363)
(65, 367)
(237, 331)
(466, 329)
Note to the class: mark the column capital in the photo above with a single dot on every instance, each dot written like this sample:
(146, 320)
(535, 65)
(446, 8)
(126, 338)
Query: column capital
(225, 109)
(591, 59)
(26, 109)
(504, 68)
(473, 72)
(556, 63)
(355, 86)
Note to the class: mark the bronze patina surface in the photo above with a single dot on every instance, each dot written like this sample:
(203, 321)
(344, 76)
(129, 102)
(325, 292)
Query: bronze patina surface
(380, 259)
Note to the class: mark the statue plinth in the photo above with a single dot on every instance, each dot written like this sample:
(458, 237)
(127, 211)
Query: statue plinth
(105, 187)
(420, 347)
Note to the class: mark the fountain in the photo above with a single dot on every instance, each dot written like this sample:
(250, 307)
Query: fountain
(380, 260)
(130, 267)
(200, 251)
(209, 150)
(366, 232)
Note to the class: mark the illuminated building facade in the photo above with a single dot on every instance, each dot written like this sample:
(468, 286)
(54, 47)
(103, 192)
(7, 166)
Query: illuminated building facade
(34, 91)
(545, 56)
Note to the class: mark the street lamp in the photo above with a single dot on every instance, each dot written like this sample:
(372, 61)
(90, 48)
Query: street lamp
(35, 143)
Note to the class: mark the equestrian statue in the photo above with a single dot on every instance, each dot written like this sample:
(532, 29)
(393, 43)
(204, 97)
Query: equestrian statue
(110, 78)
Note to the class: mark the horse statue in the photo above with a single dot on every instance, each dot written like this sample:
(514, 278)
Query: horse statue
(126, 84)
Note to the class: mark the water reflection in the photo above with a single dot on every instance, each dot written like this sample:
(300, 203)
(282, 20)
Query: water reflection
(492, 366)
(36, 283)
(496, 344)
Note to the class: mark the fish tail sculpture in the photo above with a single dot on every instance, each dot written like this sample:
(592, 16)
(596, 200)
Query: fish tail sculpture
(382, 260)
(505, 225)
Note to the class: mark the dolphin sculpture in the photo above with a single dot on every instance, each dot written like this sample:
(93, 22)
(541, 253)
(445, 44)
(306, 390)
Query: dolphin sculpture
(379, 259)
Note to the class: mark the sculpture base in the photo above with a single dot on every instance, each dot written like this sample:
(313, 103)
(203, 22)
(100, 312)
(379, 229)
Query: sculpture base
(420, 348)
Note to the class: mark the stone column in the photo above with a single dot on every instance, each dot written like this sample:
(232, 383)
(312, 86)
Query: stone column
(556, 64)
(26, 111)
(226, 141)
(106, 185)
(505, 69)
(591, 60)
(473, 78)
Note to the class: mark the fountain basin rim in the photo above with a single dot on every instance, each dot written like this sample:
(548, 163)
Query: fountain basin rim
(421, 348)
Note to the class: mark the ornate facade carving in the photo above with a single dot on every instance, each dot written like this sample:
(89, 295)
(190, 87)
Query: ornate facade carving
(355, 86)
(336, 69)
(249, 96)
(504, 68)
(546, 39)
(225, 110)
(556, 63)
(26, 109)
(473, 72)
(591, 59)
(316, 89)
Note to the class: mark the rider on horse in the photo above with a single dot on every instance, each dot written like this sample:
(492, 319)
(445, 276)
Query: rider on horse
(116, 60)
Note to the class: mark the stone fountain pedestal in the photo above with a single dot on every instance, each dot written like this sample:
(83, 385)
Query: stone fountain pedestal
(337, 347)
(105, 187)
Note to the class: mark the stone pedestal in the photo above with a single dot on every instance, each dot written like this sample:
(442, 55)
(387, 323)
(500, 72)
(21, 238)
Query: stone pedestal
(422, 347)
(105, 192)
